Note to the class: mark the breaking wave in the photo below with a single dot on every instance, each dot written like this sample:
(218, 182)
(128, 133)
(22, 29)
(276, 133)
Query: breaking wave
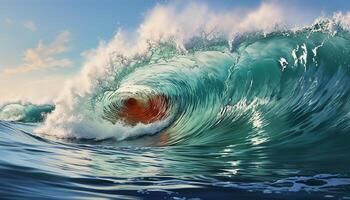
(258, 88)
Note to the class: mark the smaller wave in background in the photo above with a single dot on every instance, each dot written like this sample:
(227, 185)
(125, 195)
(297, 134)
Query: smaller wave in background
(28, 113)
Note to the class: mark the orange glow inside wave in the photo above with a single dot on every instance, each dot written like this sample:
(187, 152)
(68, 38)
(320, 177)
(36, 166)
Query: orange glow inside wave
(136, 111)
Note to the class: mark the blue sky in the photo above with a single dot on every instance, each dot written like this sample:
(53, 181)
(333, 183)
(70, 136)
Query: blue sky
(29, 27)
(88, 21)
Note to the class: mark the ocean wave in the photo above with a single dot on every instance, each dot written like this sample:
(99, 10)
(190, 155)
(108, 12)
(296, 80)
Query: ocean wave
(24, 112)
(263, 87)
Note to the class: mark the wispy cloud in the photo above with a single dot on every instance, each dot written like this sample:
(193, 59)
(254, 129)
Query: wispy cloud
(44, 56)
(30, 25)
(8, 21)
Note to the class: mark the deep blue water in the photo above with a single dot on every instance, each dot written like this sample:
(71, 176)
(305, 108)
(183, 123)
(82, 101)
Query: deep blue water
(39, 168)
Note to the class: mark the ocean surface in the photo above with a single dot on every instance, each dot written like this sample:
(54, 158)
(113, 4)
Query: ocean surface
(261, 116)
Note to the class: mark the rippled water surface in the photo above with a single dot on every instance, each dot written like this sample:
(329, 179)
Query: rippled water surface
(35, 167)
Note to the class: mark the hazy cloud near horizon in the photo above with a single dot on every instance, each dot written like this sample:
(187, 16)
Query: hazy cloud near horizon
(30, 25)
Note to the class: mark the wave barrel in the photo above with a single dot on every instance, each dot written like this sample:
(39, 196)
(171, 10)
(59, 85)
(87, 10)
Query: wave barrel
(147, 111)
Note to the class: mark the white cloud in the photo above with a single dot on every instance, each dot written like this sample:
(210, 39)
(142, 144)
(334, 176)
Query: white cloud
(88, 53)
(30, 25)
(8, 21)
(44, 56)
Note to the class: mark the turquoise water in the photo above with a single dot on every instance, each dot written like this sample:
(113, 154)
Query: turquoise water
(261, 116)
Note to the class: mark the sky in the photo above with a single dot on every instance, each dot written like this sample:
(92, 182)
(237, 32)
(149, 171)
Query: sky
(45, 42)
